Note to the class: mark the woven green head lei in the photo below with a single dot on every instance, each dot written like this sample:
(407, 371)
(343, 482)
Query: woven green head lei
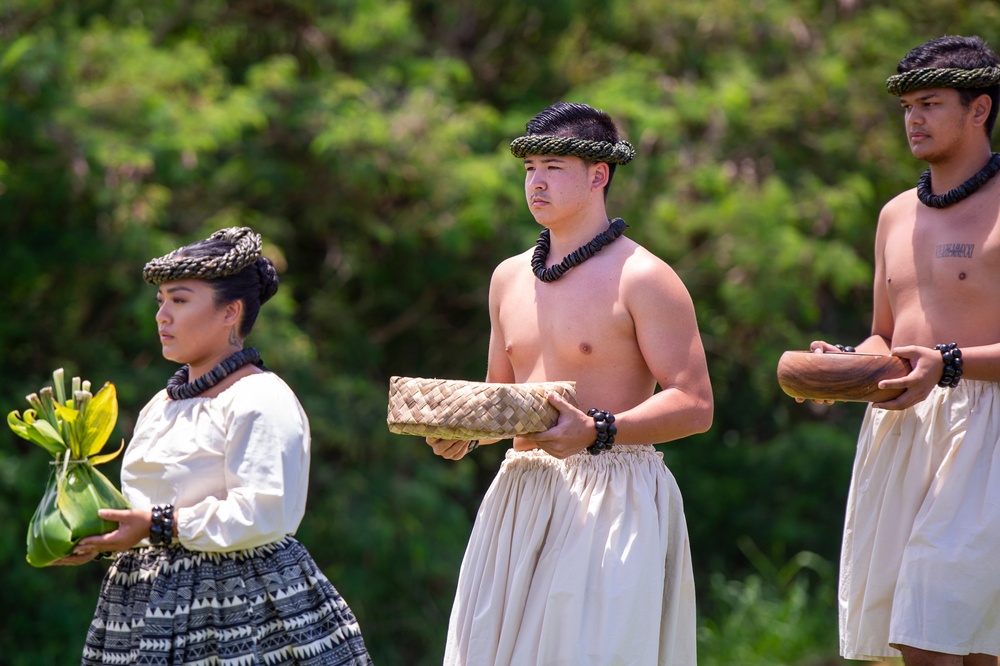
(621, 152)
(246, 250)
(942, 77)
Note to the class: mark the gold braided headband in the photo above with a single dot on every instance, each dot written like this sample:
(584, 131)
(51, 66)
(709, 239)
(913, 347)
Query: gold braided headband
(246, 250)
(592, 151)
(942, 77)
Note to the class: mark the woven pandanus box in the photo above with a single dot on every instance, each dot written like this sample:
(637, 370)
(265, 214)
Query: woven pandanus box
(458, 409)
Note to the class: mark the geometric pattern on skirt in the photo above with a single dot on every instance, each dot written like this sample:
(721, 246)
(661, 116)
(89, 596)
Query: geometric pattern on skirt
(269, 605)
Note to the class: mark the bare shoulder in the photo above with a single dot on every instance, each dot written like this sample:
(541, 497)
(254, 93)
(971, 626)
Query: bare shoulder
(506, 274)
(511, 266)
(643, 271)
(901, 206)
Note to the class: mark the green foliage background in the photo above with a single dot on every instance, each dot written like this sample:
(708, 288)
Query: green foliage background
(367, 141)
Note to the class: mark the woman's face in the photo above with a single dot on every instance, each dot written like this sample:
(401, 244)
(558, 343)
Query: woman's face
(193, 328)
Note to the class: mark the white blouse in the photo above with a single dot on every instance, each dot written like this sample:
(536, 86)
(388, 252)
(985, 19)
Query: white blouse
(236, 466)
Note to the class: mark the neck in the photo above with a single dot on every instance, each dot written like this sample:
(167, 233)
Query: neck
(579, 231)
(205, 365)
(950, 172)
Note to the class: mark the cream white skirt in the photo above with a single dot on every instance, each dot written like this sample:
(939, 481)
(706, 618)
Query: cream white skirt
(920, 564)
(574, 562)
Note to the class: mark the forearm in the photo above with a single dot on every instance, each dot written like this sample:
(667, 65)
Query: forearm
(666, 416)
(981, 363)
(874, 344)
(244, 519)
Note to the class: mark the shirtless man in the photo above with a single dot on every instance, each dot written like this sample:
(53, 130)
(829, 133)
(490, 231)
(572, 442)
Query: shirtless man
(920, 567)
(579, 554)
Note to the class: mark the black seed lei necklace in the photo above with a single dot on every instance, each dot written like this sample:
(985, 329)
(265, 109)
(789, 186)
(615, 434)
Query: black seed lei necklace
(575, 258)
(178, 387)
(964, 190)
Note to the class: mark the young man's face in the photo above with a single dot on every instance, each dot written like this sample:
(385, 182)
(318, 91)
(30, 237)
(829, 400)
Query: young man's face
(936, 121)
(556, 186)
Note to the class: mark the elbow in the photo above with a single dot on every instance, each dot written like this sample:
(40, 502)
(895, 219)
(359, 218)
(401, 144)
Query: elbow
(702, 422)
(702, 416)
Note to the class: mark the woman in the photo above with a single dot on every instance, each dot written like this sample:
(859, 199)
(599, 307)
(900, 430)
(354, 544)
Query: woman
(216, 475)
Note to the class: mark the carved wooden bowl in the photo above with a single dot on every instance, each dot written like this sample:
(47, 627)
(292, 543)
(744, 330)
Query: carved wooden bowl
(849, 376)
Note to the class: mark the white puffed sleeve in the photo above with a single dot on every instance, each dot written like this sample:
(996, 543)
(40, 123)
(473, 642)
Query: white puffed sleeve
(264, 471)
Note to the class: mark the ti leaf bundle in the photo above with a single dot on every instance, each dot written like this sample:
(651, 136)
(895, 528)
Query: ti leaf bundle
(73, 429)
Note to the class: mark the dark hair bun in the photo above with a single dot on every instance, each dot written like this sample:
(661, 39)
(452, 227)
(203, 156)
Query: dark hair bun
(268, 279)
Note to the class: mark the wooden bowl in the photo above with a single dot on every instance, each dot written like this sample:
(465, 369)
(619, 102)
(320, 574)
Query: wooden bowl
(849, 376)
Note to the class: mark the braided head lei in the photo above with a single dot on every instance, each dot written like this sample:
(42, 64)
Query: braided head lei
(620, 152)
(175, 266)
(942, 77)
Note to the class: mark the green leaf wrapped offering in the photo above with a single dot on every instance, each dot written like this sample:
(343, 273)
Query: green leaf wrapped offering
(73, 429)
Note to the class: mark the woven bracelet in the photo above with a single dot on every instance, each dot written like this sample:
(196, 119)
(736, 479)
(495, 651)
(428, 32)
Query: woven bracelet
(161, 528)
(952, 357)
(604, 422)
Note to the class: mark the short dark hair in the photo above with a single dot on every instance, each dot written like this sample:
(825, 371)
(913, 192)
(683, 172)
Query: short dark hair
(958, 52)
(576, 120)
(254, 285)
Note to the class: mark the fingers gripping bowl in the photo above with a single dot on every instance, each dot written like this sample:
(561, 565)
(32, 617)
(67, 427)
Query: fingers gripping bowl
(851, 377)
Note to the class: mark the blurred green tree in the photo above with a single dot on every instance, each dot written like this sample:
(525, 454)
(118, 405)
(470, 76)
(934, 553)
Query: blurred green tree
(367, 141)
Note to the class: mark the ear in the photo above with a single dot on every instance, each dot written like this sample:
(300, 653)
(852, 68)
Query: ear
(599, 176)
(233, 313)
(981, 107)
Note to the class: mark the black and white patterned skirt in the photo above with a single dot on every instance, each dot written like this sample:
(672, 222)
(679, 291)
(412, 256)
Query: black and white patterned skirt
(269, 605)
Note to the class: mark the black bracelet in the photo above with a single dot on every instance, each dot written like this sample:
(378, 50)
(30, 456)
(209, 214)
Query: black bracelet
(604, 421)
(846, 348)
(161, 528)
(473, 445)
(952, 357)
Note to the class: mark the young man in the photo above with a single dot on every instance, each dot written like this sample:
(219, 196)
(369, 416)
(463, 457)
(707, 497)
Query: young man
(920, 568)
(579, 554)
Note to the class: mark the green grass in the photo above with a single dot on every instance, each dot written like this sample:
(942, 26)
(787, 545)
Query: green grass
(779, 615)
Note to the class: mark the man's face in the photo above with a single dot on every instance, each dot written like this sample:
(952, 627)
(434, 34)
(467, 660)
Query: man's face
(556, 187)
(936, 122)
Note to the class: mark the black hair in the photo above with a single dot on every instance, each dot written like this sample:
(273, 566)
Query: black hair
(961, 53)
(576, 120)
(254, 285)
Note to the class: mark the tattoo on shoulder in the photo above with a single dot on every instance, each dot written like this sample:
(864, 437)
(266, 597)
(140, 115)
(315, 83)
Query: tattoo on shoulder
(959, 250)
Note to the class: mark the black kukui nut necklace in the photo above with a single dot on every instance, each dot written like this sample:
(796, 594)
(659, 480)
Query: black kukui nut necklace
(574, 258)
(964, 190)
(178, 387)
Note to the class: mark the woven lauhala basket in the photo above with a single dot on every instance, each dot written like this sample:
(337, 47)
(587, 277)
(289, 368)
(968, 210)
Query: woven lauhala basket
(457, 409)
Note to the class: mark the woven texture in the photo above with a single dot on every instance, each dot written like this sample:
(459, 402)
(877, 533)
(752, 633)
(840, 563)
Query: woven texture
(621, 152)
(942, 77)
(457, 409)
(175, 266)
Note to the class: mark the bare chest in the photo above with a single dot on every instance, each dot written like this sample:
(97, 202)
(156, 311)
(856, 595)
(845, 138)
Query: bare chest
(565, 327)
(942, 268)
(938, 255)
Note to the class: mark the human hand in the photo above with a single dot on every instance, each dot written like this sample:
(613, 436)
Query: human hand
(452, 449)
(822, 346)
(572, 433)
(133, 527)
(926, 367)
(73, 560)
